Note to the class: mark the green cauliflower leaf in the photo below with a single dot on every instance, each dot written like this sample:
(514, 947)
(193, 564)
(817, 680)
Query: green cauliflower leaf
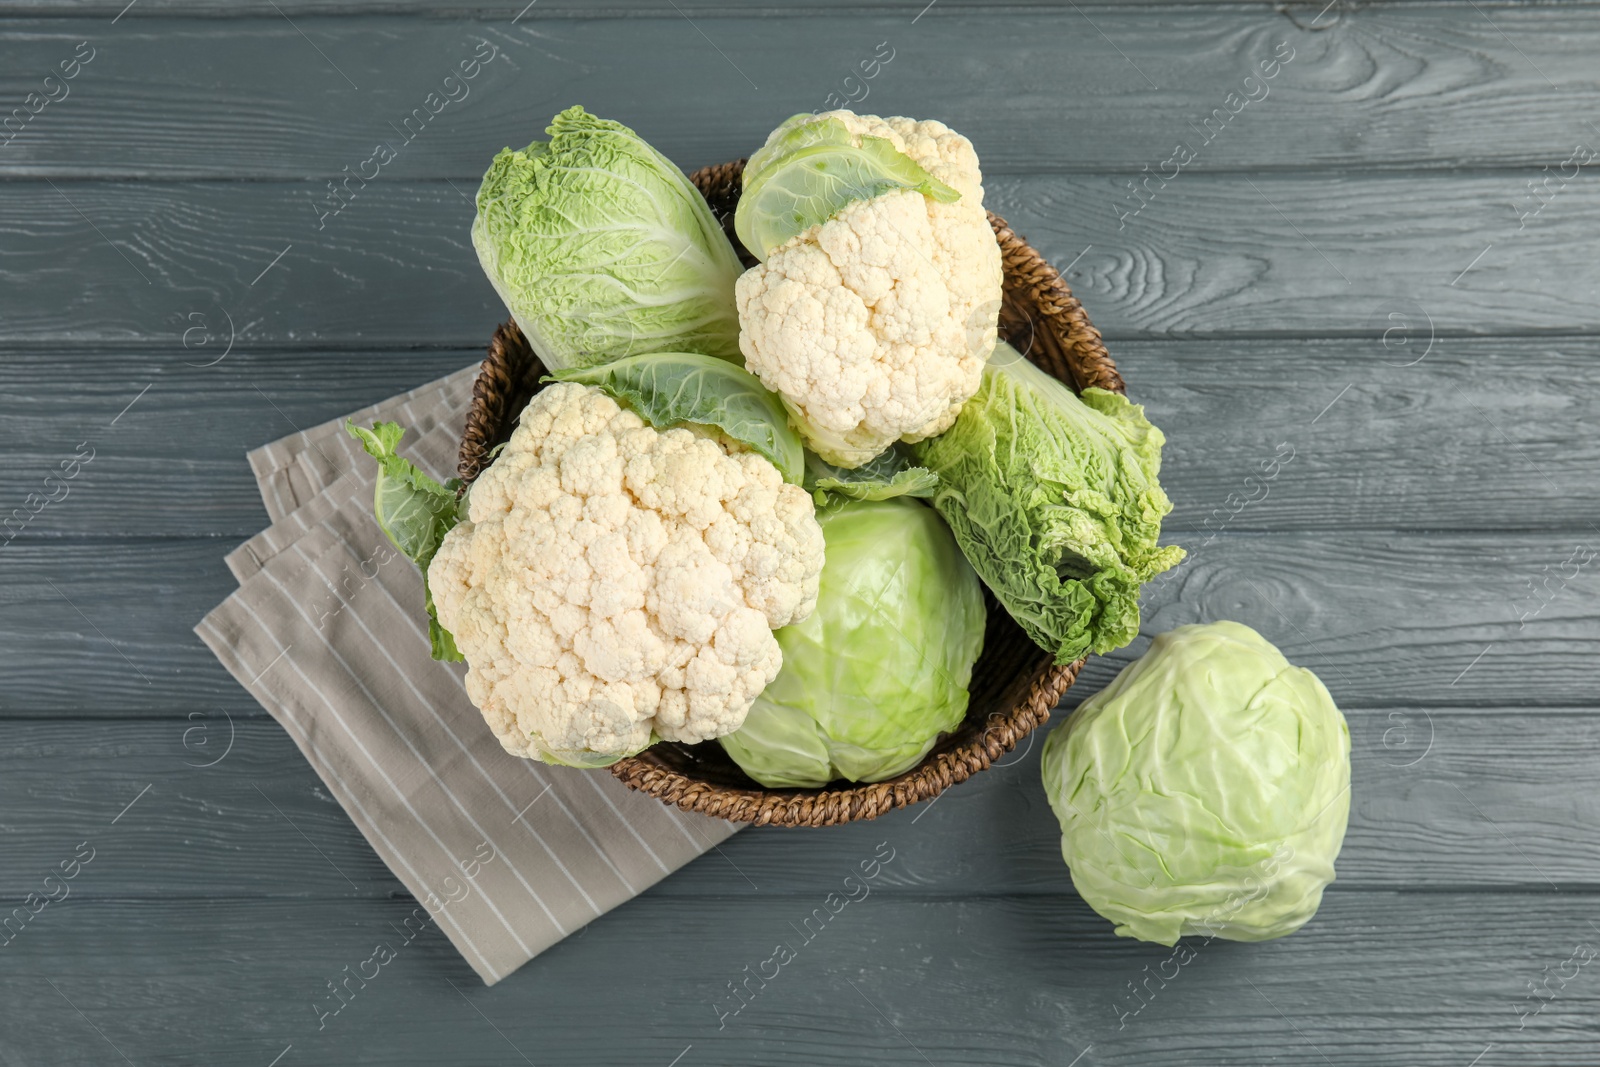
(884, 477)
(812, 172)
(669, 389)
(415, 512)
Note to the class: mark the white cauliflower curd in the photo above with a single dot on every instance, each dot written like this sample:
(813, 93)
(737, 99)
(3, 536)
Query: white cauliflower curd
(874, 325)
(612, 580)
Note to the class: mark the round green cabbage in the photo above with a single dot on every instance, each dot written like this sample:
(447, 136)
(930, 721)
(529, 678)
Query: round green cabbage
(1204, 791)
(880, 669)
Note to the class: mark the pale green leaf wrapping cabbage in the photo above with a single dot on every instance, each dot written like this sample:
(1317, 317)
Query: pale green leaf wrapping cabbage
(887, 475)
(415, 513)
(676, 388)
(1204, 791)
(879, 670)
(814, 171)
(1056, 503)
(601, 248)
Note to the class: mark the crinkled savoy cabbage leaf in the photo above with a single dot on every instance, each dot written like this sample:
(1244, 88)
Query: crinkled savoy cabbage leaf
(602, 248)
(1056, 503)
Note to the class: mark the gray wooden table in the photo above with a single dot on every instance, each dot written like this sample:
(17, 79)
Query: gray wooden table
(1353, 269)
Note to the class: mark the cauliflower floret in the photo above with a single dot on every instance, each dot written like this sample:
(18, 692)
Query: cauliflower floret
(611, 580)
(875, 325)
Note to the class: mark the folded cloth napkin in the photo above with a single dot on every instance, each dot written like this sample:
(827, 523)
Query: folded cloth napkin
(327, 631)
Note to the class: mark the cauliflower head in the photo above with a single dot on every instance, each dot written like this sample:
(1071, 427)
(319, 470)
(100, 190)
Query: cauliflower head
(612, 581)
(874, 326)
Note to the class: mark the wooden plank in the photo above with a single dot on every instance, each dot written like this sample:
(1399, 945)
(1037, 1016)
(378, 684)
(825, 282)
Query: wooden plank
(1441, 799)
(1388, 620)
(1377, 432)
(1249, 445)
(142, 260)
(1411, 84)
(173, 463)
(547, 9)
(1292, 256)
(1419, 978)
(208, 925)
(1220, 255)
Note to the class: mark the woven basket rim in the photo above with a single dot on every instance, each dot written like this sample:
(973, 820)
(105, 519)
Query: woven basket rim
(1062, 341)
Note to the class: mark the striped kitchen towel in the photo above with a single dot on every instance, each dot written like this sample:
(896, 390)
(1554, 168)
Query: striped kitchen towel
(327, 631)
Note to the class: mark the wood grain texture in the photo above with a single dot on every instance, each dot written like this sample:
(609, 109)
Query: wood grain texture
(1222, 255)
(174, 462)
(1432, 792)
(1388, 85)
(1388, 620)
(1009, 982)
(1270, 436)
(1419, 551)
(545, 9)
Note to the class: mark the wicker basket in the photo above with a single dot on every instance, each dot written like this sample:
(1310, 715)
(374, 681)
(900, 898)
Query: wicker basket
(1014, 684)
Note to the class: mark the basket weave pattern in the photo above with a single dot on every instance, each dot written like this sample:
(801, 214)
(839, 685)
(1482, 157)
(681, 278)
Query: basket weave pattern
(1014, 683)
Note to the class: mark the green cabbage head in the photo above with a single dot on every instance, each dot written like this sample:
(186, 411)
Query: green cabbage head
(880, 669)
(601, 248)
(1055, 499)
(1204, 791)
